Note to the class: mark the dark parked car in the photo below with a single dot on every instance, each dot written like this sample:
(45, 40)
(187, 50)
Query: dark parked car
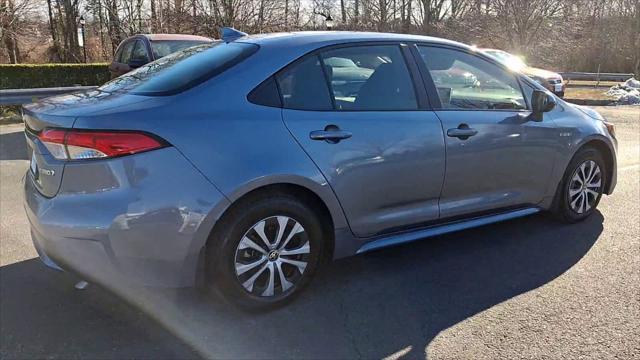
(139, 50)
(245, 164)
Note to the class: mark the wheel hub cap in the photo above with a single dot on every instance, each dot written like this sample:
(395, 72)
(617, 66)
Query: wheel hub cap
(585, 187)
(272, 256)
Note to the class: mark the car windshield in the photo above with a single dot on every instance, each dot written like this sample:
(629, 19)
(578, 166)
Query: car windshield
(181, 70)
(511, 61)
(163, 48)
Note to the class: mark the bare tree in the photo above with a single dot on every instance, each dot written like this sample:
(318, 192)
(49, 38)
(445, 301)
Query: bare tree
(522, 20)
(561, 34)
(431, 13)
(14, 15)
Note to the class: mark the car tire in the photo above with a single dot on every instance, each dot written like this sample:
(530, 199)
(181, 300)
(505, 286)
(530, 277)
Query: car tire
(576, 199)
(256, 274)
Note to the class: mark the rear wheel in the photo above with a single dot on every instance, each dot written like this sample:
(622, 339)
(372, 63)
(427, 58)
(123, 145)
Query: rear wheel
(265, 252)
(582, 186)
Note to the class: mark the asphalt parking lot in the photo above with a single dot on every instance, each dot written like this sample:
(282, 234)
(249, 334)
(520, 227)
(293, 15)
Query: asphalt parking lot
(528, 288)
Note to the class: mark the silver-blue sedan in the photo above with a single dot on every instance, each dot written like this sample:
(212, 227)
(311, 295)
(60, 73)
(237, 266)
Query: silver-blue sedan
(249, 161)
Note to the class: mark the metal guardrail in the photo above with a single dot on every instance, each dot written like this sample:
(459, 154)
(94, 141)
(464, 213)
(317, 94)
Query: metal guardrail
(596, 76)
(26, 96)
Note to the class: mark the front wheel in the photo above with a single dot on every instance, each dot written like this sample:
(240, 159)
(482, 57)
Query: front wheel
(582, 186)
(266, 251)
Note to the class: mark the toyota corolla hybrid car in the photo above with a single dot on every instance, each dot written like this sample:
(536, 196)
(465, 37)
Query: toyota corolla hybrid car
(237, 163)
(549, 79)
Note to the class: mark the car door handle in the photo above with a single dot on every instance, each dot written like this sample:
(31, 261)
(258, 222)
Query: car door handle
(332, 136)
(462, 132)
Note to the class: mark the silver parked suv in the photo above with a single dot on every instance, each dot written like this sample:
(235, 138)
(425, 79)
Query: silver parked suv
(255, 158)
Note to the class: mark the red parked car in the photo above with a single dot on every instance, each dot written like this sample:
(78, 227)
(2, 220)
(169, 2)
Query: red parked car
(139, 50)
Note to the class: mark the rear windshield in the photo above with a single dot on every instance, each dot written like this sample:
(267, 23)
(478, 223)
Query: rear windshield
(162, 48)
(181, 70)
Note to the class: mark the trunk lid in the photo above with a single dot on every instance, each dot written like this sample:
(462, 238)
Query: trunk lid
(61, 112)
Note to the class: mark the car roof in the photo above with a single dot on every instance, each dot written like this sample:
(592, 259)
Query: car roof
(306, 38)
(185, 37)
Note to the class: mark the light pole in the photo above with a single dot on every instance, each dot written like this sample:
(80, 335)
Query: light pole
(328, 21)
(84, 45)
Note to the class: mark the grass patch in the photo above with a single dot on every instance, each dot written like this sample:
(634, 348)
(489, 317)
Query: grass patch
(594, 84)
(586, 94)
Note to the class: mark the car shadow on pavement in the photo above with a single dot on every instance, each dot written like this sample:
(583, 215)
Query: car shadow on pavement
(371, 306)
(43, 316)
(13, 146)
(396, 300)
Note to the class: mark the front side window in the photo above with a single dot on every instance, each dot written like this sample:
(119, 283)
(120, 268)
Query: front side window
(528, 92)
(465, 81)
(127, 49)
(182, 70)
(139, 52)
(509, 60)
(369, 78)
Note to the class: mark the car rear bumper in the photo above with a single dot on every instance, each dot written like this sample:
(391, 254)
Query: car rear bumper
(126, 220)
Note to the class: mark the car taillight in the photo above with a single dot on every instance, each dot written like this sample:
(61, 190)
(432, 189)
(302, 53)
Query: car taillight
(80, 144)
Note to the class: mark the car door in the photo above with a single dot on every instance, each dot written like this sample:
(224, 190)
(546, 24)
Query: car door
(355, 112)
(498, 157)
(120, 64)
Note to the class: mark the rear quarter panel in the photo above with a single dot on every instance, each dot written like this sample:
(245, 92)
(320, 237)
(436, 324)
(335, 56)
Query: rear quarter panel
(238, 146)
(131, 212)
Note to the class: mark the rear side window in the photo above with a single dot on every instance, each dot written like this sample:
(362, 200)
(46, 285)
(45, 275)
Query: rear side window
(266, 94)
(465, 81)
(162, 48)
(182, 70)
(303, 85)
(355, 78)
(369, 78)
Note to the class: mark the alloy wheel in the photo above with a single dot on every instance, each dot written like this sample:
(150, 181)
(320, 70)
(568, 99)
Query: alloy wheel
(272, 256)
(585, 187)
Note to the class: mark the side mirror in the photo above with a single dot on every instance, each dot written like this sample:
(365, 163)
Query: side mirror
(136, 63)
(541, 102)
